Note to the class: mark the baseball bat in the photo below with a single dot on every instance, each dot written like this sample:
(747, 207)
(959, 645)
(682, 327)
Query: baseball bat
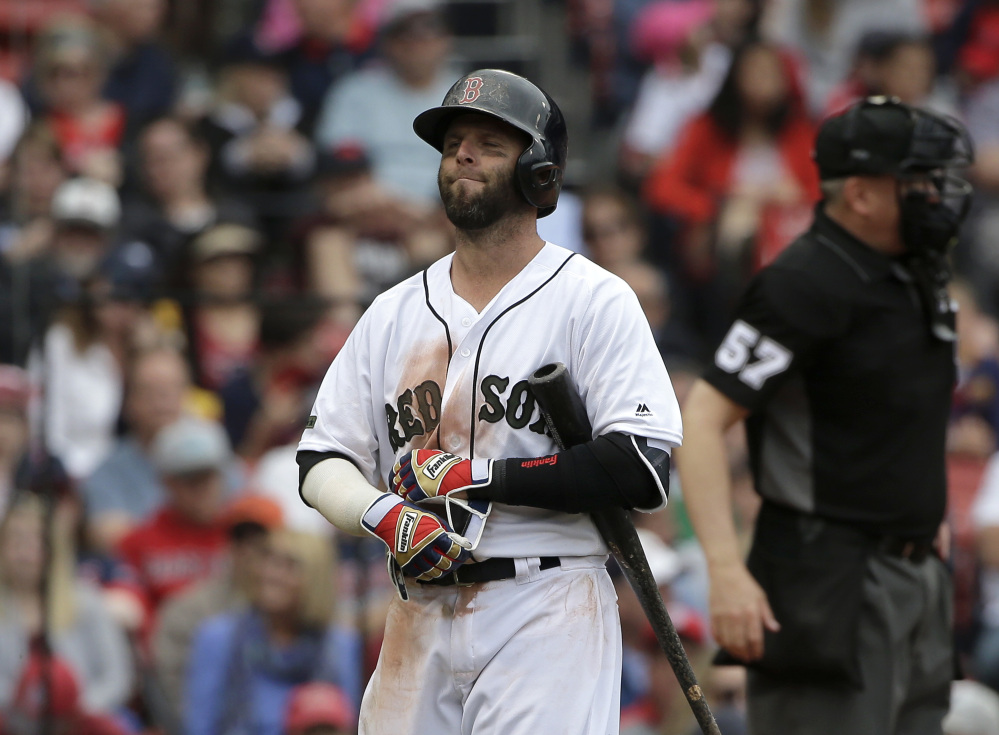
(565, 415)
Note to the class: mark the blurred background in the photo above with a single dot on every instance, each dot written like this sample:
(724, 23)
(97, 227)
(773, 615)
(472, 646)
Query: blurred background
(198, 198)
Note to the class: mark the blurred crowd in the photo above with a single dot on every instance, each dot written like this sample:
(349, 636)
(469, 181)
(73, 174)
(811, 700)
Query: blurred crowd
(198, 198)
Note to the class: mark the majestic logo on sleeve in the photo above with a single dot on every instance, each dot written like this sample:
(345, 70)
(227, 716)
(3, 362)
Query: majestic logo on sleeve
(473, 88)
(417, 411)
(642, 410)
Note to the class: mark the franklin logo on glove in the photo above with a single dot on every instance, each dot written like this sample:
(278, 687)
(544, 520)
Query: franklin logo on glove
(440, 464)
(406, 526)
(430, 473)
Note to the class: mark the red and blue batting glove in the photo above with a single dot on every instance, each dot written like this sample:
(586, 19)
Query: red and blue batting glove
(431, 473)
(420, 542)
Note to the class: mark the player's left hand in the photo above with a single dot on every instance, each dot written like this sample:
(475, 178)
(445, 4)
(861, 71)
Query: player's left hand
(431, 473)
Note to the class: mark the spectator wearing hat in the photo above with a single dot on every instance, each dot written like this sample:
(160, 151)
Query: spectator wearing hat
(70, 70)
(318, 709)
(185, 540)
(244, 666)
(79, 364)
(175, 204)
(248, 522)
(215, 288)
(372, 107)
(126, 489)
(70, 611)
(15, 391)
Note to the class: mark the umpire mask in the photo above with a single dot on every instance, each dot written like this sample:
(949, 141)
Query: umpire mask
(933, 202)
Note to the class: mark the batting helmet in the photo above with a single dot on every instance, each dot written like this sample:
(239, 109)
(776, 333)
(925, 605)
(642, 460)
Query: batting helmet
(520, 103)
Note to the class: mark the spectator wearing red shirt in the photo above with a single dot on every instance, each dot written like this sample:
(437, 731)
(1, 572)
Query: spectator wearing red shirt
(186, 540)
(740, 181)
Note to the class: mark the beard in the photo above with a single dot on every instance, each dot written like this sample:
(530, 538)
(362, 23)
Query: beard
(476, 211)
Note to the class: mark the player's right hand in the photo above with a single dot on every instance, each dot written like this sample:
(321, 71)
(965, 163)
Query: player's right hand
(421, 543)
(739, 611)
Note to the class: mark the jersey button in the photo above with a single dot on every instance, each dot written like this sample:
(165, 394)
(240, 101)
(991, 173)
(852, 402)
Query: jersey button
(454, 441)
(466, 352)
(466, 322)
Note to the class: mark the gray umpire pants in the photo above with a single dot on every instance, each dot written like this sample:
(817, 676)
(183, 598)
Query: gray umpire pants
(906, 658)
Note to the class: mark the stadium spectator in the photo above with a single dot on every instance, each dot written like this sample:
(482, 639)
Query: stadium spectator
(266, 404)
(26, 233)
(71, 67)
(825, 35)
(259, 146)
(36, 172)
(613, 228)
(125, 489)
(142, 77)
(365, 238)
(688, 64)
(373, 107)
(244, 666)
(185, 540)
(220, 319)
(740, 181)
(70, 611)
(78, 367)
(335, 39)
(173, 162)
(248, 521)
(980, 261)
(896, 64)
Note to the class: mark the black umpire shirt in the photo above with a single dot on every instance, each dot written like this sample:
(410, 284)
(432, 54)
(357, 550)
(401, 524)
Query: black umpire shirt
(848, 391)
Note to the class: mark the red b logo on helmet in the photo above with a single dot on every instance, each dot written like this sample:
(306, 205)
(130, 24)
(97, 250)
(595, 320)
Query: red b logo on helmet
(473, 88)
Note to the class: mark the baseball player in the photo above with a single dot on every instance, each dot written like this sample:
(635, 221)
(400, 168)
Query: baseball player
(511, 621)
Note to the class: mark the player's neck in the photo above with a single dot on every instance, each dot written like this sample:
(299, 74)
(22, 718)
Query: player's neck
(486, 260)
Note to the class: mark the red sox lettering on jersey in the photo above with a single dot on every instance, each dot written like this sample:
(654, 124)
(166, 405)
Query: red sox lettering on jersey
(438, 374)
(417, 411)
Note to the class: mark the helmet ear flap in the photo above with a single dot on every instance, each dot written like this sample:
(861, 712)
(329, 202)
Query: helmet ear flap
(540, 179)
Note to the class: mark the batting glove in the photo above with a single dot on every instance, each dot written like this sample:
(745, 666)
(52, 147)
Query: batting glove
(431, 473)
(420, 542)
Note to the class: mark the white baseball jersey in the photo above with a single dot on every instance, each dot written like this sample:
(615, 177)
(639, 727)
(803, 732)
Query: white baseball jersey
(423, 369)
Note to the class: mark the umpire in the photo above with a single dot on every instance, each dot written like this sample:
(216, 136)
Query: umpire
(841, 363)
